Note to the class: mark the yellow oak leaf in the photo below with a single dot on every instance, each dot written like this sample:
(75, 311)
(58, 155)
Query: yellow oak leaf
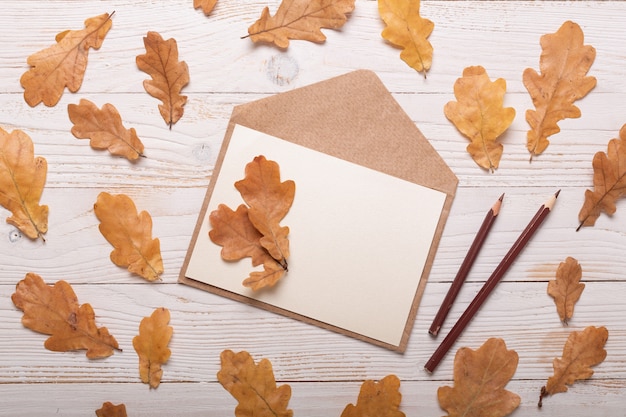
(54, 310)
(564, 62)
(582, 350)
(479, 115)
(377, 399)
(609, 181)
(63, 64)
(566, 288)
(130, 233)
(406, 29)
(104, 128)
(300, 20)
(479, 380)
(169, 75)
(253, 386)
(151, 346)
(206, 5)
(22, 179)
(108, 409)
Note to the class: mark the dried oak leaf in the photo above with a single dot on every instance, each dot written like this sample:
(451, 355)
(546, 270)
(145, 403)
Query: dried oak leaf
(54, 311)
(110, 410)
(479, 380)
(377, 399)
(300, 20)
(609, 181)
(169, 75)
(130, 233)
(406, 29)
(104, 128)
(63, 64)
(151, 346)
(479, 114)
(582, 350)
(22, 178)
(206, 5)
(564, 62)
(253, 386)
(566, 288)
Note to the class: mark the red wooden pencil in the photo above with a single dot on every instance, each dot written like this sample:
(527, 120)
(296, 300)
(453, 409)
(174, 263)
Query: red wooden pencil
(465, 267)
(491, 283)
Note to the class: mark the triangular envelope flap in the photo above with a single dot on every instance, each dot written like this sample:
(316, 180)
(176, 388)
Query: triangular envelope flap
(355, 118)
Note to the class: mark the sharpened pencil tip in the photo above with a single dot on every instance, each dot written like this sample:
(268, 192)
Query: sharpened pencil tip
(557, 194)
(496, 207)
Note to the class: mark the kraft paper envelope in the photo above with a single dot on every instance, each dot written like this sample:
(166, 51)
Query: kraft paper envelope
(372, 198)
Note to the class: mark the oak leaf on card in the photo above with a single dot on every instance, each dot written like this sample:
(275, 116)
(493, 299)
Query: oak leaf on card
(63, 64)
(169, 75)
(206, 5)
(109, 409)
(151, 346)
(300, 20)
(377, 399)
(564, 63)
(253, 386)
(130, 233)
(582, 350)
(479, 114)
(566, 288)
(104, 129)
(479, 380)
(609, 181)
(22, 180)
(54, 310)
(407, 29)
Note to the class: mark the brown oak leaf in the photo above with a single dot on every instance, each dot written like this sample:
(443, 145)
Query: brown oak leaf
(151, 346)
(63, 64)
(300, 20)
(377, 399)
(582, 350)
(54, 310)
(406, 29)
(566, 288)
(479, 380)
(130, 233)
(564, 62)
(609, 181)
(22, 179)
(237, 235)
(479, 114)
(169, 75)
(253, 386)
(206, 5)
(104, 128)
(110, 410)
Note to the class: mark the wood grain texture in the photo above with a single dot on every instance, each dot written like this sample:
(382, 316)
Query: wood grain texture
(325, 369)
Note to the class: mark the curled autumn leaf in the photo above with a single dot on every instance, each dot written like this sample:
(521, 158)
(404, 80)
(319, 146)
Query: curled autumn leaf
(22, 179)
(206, 5)
(406, 29)
(566, 288)
(63, 64)
(130, 233)
(480, 115)
(151, 346)
(379, 399)
(609, 181)
(253, 386)
(109, 409)
(479, 380)
(104, 128)
(300, 20)
(169, 75)
(564, 62)
(582, 350)
(54, 310)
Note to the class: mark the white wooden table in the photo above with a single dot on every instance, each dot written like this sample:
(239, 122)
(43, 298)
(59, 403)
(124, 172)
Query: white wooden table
(324, 369)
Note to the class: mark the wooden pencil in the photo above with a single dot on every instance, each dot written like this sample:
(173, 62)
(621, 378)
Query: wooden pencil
(465, 267)
(491, 283)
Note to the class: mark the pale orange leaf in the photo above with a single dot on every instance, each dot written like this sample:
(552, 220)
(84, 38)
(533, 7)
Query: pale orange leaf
(151, 346)
(377, 399)
(566, 288)
(110, 410)
(206, 5)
